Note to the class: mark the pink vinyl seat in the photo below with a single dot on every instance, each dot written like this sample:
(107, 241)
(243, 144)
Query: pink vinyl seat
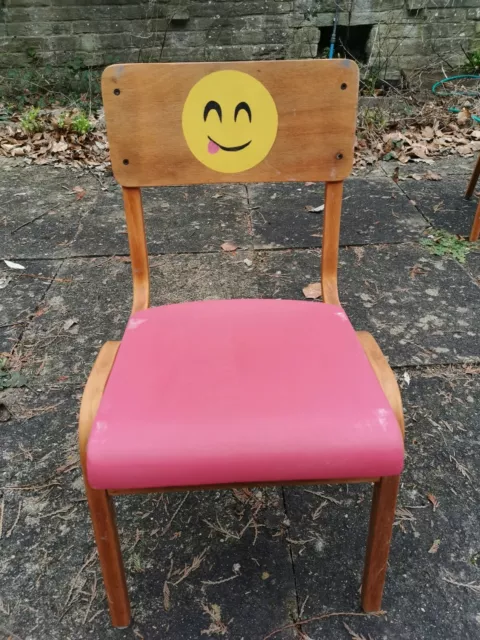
(241, 391)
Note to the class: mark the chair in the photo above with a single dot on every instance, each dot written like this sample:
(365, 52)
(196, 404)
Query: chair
(475, 231)
(314, 401)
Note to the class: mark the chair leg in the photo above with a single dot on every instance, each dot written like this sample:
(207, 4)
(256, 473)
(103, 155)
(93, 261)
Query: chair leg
(106, 536)
(378, 544)
(475, 231)
(473, 180)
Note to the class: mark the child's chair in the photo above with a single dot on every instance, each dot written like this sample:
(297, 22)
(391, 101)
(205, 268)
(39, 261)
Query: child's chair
(475, 231)
(313, 400)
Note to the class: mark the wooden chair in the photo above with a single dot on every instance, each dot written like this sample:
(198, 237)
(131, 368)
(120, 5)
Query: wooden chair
(215, 394)
(475, 231)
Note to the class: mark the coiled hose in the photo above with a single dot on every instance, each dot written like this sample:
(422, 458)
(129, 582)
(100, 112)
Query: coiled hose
(445, 93)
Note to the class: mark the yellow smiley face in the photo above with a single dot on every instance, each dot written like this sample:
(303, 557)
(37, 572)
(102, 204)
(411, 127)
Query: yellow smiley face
(229, 121)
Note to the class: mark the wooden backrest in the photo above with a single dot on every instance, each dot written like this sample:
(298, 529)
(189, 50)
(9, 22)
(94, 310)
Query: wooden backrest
(196, 123)
(297, 118)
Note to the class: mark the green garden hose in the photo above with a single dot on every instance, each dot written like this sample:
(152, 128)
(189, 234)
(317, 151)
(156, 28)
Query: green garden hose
(445, 94)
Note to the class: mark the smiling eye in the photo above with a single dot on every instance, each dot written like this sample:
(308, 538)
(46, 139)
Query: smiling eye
(242, 106)
(212, 106)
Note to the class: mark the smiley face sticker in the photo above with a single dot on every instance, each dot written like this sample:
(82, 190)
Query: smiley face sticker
(229, 121)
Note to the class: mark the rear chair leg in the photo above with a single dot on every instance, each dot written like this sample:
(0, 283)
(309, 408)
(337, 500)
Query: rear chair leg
(378, 545)
(473, 180)
(475, 232)
(106, 535)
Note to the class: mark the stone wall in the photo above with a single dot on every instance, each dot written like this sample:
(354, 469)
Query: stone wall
(390, 35)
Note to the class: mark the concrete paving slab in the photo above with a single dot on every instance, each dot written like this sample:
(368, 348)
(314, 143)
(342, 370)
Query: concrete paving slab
(433, 547)
(21, 293)
(374, 211)
(421, 309)
(223, 554)
(442, 203)
(177, 219)
(91, 302)
(40, 213)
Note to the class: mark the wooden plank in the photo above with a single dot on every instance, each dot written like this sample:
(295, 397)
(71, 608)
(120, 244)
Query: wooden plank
(280, 121)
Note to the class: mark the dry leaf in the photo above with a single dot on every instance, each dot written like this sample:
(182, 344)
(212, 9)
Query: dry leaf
(313, 291)
(430, 175)
(309, 184)
(71, 325)
(79, 191)
(463, 117)
(315, 209)
(248, 262)
(166, 596)
(433, 500)
(434, 547)
(13, 265)
(229, 246)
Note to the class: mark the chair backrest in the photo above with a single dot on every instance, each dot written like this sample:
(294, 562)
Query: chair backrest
(192, 123)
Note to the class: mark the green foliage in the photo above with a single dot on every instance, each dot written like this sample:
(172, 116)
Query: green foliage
(443, 243)
(473, 64)
(9, 379)
(81, 124)
(31, 122)
(72, 85)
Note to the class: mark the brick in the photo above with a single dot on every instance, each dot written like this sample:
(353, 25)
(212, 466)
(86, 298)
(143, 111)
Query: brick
(38, 28)
(473, 14)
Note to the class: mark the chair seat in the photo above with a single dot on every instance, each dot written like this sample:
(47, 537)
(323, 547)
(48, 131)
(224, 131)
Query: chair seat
(241, 391)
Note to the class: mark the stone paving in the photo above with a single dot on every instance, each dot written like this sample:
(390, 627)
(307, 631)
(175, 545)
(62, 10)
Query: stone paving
(238, 564)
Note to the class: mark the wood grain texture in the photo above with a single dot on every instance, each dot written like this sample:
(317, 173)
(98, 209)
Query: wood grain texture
(132, 198)
(384, 374)
(473, 180)
(330, 242)
(475, 232)
(316, 102)
(378, 545)
(100, 504)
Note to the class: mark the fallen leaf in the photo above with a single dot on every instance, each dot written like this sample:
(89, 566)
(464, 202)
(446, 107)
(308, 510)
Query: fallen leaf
(265, 575)
(229, 246)
(71, 325)
(433, 500)
(313, 291)
(395, 174)
(315, 209)
(406, 377)
(430, 175)
(463, 117)
(434, 547)
(79, 191)
(309, 184)
(248, 262)
(5, 414)
(13, 265)
(217, 195)
(58, 147)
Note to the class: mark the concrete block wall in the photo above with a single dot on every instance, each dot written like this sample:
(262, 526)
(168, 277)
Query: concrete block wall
(391, 35)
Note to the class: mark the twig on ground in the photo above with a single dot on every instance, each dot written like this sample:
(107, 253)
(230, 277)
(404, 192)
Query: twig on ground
(324, 496)
(32, 487)
(324, 616)
(2, 510)
(92, 598)
(169, 523)
(197, 561)
(10, 531)
(472, 586)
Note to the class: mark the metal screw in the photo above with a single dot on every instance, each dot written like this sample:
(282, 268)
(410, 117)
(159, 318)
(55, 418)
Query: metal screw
(343, 86)
(339, 156)
(116, 92)
(126, 161)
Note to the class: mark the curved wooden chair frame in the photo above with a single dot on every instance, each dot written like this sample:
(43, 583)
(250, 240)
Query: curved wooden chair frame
(331, 167)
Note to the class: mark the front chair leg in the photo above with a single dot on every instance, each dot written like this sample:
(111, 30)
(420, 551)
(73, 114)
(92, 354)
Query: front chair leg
(106, 536)
(378, 545)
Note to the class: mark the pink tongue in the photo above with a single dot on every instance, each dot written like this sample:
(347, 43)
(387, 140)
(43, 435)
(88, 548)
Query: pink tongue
(212, 147)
